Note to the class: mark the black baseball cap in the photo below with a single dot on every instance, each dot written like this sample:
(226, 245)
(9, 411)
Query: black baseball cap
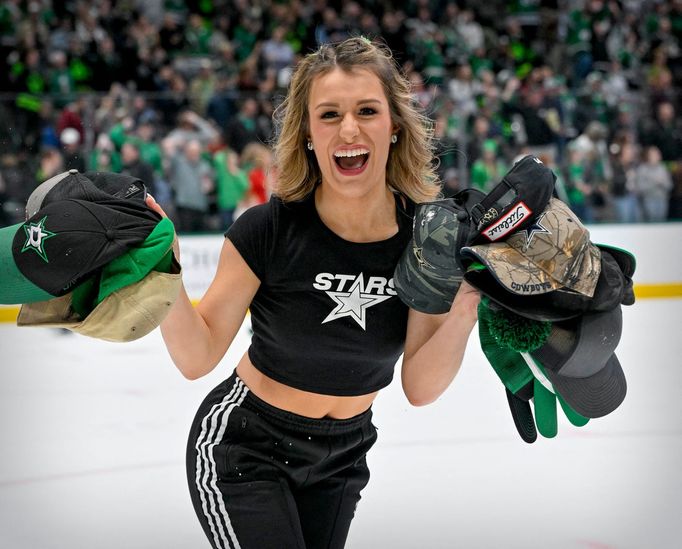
(90, 186)
(129, 298)
(515, 202)
(64, 243)
(580, 361)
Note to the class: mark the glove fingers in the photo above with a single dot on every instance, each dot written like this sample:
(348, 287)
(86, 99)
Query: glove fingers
(523, 417)
(574, 417)
(545, 410)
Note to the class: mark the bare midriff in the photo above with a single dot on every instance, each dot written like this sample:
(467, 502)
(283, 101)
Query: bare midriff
(300, 402)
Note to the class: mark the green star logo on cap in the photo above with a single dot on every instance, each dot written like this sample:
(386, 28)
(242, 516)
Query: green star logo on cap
(36, 235)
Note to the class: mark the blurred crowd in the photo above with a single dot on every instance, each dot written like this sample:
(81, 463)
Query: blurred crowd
(181, 94)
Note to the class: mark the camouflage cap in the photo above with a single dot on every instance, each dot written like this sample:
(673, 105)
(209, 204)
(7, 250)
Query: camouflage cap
(613, 288)
(554, 252)
(430, 271)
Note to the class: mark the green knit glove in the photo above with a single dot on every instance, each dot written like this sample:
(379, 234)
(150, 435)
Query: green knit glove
(507, 340)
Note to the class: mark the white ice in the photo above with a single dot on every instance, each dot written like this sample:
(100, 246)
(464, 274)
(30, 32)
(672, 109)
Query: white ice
(93, 434)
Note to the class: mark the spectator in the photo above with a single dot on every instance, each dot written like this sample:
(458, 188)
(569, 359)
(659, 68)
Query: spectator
(596, 170)
(18, 183)
(144, 139)
(653, 185)
(241, 130)
(61, 84)
(190, 177)
(277, 53)
(202, 87)
(257, 161)
(231, 185)
(197, 35)
(577, 188)
(445, 145)
(171, 34)
(675, 207)
(105, 157)
(70, 117)
(72, 150)
(533, 114)
(462, 90)
(623, 184)
(664, 132)
(28, 80)
(221, 107)
(134, 166)
(488, 170)
(192, 127)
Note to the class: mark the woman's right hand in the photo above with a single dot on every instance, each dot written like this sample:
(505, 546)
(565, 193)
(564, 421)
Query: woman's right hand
(152, 204)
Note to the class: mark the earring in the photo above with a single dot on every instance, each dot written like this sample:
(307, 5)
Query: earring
(394, 138)
(310, 145)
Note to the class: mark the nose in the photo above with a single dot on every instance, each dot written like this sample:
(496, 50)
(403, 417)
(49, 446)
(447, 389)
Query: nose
(349, 128)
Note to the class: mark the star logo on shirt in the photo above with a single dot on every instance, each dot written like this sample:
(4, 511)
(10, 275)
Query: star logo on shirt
(532, 230)
(36, 235)
(354, 302)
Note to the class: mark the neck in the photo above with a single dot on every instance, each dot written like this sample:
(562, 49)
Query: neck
(368, 218)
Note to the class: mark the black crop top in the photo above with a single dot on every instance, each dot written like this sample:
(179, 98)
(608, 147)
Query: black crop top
(326, 317)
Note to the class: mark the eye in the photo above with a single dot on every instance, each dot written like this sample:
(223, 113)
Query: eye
(367, 111)
(328, 114)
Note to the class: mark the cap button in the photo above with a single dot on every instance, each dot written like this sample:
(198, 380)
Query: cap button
(73, 171)
(110, 234)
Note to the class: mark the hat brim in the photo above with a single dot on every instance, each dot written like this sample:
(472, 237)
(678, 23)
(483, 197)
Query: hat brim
(594, 396)
(124, 315)
(426, 294)
(522, 277)
(626, 260)
(536, 307)
(579, 359)
(518, 274)
(15, 287)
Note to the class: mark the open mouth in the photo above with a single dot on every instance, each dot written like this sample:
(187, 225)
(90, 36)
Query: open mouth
(351, 161)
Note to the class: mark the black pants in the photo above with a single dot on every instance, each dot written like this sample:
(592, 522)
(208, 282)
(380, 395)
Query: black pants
(264, 478)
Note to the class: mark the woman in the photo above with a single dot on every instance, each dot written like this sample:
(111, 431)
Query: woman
(276, 455)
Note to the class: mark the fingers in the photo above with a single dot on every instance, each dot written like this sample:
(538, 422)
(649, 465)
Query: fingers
(154, 205)
(467, 299)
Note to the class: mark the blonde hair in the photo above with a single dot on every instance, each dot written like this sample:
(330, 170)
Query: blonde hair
(410, 168)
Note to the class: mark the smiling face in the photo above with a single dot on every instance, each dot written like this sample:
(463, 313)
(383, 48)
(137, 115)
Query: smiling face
(350, 128)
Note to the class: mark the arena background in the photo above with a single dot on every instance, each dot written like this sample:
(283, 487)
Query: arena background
(94, 432)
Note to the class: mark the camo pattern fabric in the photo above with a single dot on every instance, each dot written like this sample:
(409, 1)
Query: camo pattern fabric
(553, 252)
(430, 271)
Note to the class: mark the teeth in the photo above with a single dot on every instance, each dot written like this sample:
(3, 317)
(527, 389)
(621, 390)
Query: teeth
(350, 153)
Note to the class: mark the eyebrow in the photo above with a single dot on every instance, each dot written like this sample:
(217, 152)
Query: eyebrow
(361, 102)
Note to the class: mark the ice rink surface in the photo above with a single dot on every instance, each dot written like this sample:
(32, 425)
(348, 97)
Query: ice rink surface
(93, 441)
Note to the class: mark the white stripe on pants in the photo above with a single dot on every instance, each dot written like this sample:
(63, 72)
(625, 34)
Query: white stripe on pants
(210, 435)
